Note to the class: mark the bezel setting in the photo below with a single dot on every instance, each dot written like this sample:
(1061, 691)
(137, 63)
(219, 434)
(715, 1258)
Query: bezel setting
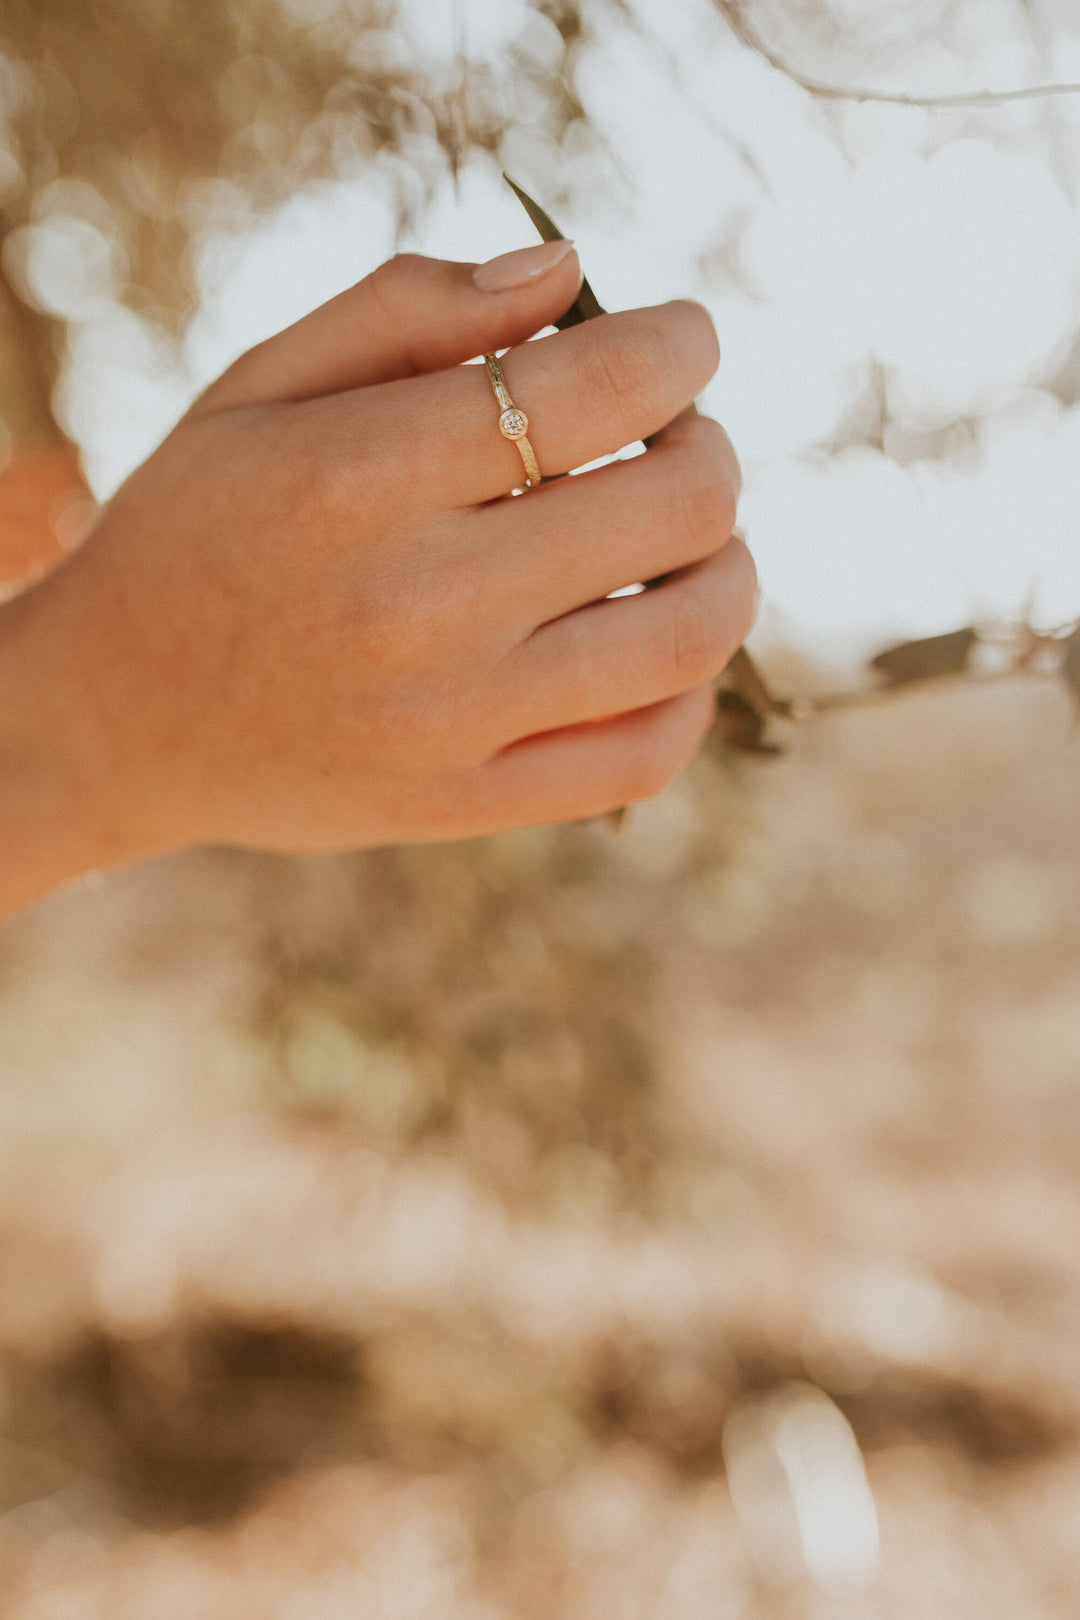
(513, 424)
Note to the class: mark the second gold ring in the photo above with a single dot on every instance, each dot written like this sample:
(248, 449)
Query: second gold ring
(513, 423)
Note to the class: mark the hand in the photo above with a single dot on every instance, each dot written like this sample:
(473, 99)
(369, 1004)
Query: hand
(314, 619)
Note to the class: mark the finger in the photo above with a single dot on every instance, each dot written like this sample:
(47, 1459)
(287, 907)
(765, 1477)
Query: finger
(576, 541)
(411, 315)
(633, 651)
(587, 391)
(586, 770)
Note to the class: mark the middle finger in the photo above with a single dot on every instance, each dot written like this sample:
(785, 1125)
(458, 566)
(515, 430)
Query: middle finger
(579, 540)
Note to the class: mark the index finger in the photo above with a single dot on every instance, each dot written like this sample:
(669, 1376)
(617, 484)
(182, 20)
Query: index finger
(587, 392)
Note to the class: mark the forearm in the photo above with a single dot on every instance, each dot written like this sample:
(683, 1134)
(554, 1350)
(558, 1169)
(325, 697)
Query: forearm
(56, 819)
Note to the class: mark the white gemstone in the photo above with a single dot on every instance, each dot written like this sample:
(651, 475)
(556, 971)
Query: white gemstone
(513, 424)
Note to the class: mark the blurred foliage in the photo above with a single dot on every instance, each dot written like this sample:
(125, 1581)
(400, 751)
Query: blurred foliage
(827, 49)
(455, 1215)
(515, 1228)
(128, 127)
(531, 1054)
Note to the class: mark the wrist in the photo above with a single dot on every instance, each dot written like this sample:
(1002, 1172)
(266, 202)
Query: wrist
(67, 805)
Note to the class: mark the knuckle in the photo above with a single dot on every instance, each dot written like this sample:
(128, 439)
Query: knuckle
(698, 642)
(327, 486)
(391, 290)
(387, 279)
(702, 499)
(365, 484)
(714, 442)
(236, 381)
(659, 757)
(743, 592)
(651, 773)
(630, 367)
(706, 341)
(404, 610)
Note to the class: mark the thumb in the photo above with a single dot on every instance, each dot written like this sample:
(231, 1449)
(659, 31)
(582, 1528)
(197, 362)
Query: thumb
(411, 315)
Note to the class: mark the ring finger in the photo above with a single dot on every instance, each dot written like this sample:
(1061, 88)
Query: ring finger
(587, 392)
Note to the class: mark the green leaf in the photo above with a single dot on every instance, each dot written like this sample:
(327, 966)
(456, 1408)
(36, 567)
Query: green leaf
(586, 305)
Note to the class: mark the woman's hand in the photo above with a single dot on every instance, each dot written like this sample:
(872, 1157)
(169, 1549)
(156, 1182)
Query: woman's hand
(314, 619)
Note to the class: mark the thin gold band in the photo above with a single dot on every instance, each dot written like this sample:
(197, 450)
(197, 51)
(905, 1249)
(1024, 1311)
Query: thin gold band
(513, 423)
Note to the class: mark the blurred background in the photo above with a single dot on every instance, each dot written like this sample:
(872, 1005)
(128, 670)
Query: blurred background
(564, 1225)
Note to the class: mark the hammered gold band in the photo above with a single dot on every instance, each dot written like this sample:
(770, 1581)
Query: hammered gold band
(513, 423)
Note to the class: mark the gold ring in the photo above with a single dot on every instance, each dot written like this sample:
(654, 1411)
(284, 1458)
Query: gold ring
(513, 424)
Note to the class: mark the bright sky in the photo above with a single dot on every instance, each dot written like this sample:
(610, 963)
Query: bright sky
(883, 235)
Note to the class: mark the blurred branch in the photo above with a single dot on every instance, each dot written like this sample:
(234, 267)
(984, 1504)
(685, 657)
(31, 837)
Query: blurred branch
(734, 14)
(857, 696)
(1019, 649)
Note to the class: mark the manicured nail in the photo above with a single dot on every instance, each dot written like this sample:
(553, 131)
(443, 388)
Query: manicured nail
(517, 269)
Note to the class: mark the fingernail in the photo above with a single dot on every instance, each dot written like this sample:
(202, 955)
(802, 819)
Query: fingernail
(517, 269)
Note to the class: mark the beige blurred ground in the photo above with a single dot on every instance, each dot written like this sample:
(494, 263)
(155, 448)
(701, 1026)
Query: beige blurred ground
(465, 1232)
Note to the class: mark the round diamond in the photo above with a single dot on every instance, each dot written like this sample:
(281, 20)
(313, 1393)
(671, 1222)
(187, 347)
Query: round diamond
(513, 424)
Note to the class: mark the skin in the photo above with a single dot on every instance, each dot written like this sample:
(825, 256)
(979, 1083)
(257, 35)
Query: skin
(314, 619)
